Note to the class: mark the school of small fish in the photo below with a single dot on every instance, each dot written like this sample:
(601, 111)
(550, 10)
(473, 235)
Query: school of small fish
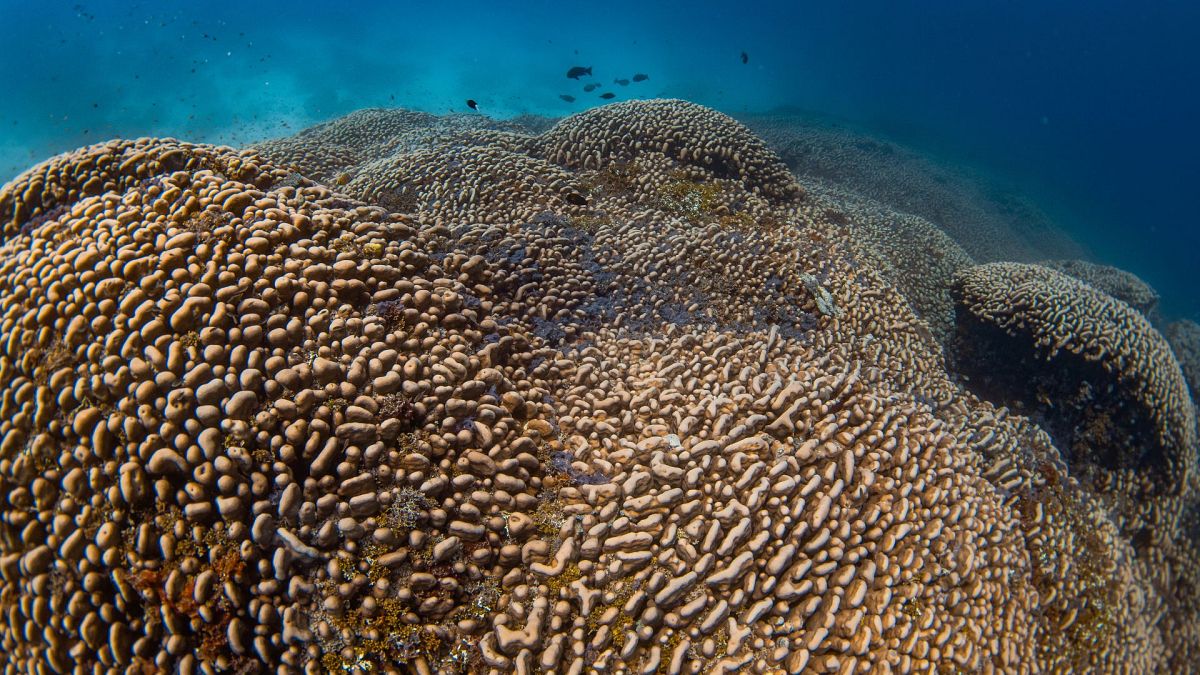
(577, 72)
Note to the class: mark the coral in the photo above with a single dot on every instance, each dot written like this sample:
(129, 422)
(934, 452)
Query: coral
(680, 130)
(1122, 285)
(918, 258)
(1104, 377)
(51, 190)
(330, 152)
(986, 222)
(460, 183)
(250, 421)
(1184, 337)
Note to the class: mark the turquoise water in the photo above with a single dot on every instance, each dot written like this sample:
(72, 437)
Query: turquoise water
(1088, 108)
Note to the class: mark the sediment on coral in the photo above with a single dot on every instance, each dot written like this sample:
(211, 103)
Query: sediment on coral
(414, 394)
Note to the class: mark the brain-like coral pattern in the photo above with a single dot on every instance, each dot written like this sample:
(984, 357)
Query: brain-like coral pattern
(46, 191)
(1184, 337)
(330, 152)
(1122, 285)
(919, 259)
(680, 130)
(251, 422)
(761, 527)
(465, 184)
(1068, 325)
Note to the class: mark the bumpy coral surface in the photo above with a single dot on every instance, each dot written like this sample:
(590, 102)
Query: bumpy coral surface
(1108, 372)
(331, 151)
(686, 132)
(1185, 341)
(918, 258)
(1122, 285)
(612, 396)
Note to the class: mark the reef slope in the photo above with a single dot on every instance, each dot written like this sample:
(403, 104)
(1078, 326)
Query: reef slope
(408, 393)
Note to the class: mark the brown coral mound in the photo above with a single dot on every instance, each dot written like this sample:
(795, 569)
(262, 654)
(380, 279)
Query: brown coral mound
(327, 151)
(649, 158)
(1122, 285)
(254, 420)
(909, 251)
(476, 184)
(249, 424)
(680, 130)
(1038, 336)
(1184, 337)
(47, 190)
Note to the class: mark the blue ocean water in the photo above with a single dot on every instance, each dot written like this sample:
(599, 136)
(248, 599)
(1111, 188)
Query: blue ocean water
(1089, 108)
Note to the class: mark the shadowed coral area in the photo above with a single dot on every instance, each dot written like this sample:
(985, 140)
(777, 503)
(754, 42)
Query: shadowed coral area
(404, 393)
(1091, 356)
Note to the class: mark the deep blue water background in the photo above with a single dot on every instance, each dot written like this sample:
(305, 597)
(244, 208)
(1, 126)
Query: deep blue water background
(1090, 108)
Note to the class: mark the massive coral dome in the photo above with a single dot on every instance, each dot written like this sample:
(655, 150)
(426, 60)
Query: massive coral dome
(416, 394)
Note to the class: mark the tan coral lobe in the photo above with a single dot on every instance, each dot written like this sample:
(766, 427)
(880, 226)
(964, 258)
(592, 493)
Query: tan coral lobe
(380, 397)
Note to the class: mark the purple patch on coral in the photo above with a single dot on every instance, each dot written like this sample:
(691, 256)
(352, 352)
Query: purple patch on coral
(560, 462)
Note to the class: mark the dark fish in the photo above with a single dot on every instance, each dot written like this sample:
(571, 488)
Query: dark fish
(472, 104)
(567, 97)
(591, 87)
(745, 57)
(576, 199)
(608, 94)
(641, 77)
(577, 72)
(622, 82)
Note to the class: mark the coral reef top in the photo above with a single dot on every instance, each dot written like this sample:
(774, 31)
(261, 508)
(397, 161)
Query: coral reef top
(439, 394)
